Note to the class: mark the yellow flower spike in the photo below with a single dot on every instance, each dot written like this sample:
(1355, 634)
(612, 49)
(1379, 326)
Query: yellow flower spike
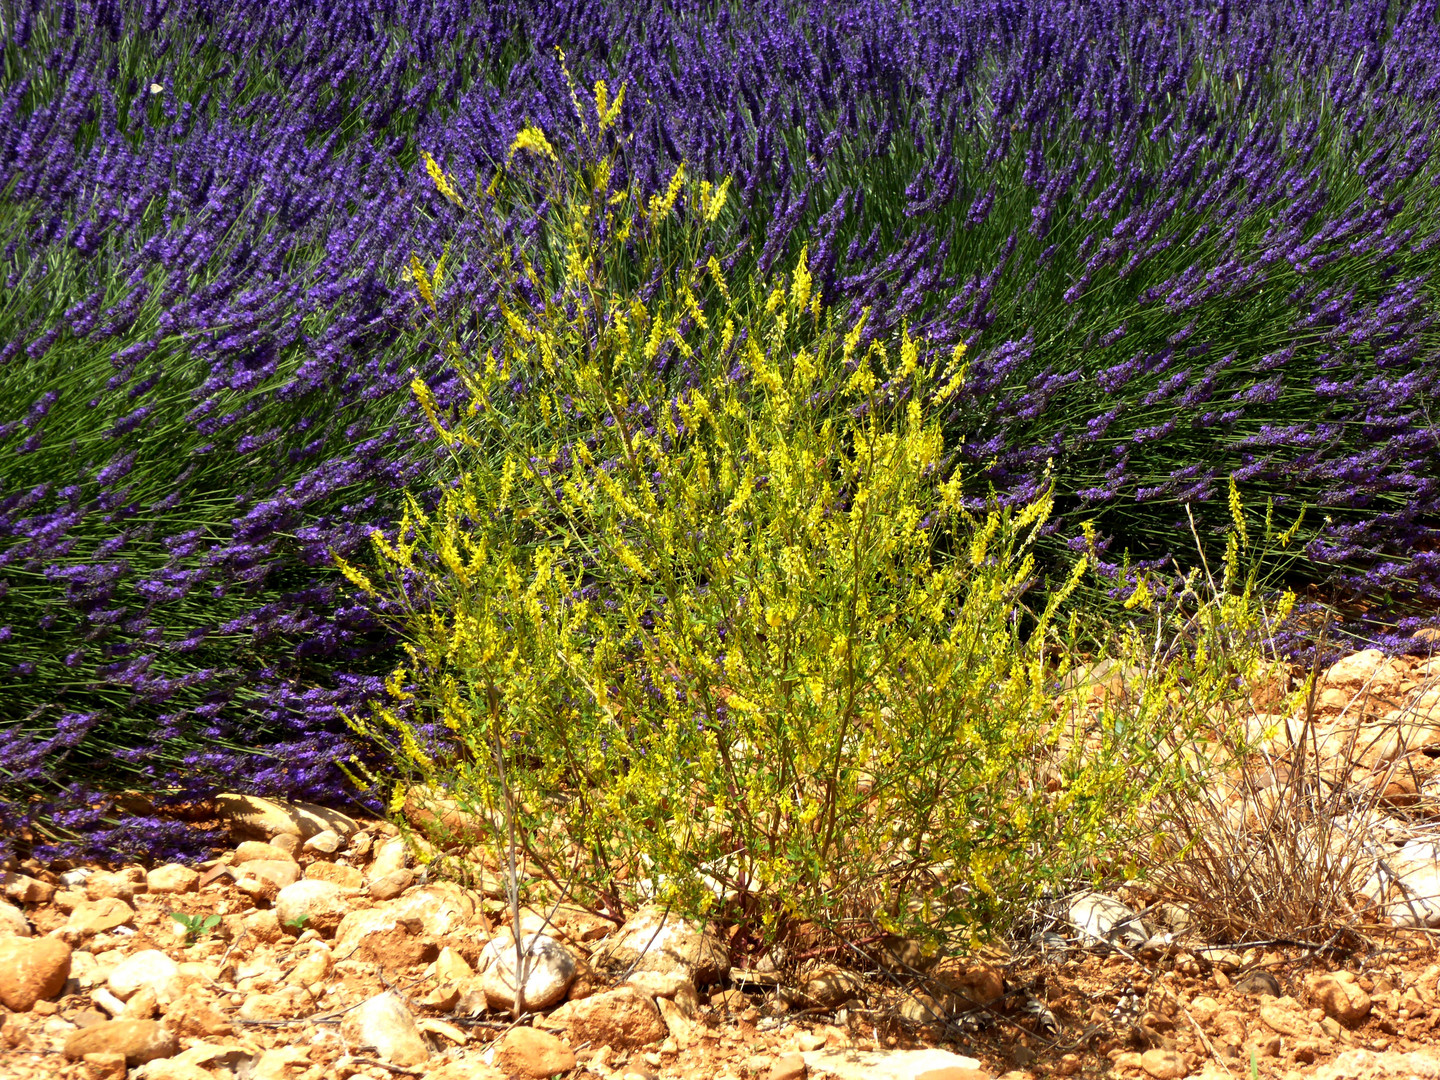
(516, 324)
(718, 276)
(727, 337)
(660, 207)
(1289, 534)
(443, 183)
(656, 338)
(412, 507)
(570, 85)
(395, 686)
(532, 140)
(680, 343)
(1237, 514)
(427, 402)
(909, 353)
(439, 275)
(774, 300)
(801, 282)
(864, 380)
(717, 201)
(602, 97)
(421, 277)
(1140, 597)
(852, 339)
(608, 113)
(353, 575)
(693, 307)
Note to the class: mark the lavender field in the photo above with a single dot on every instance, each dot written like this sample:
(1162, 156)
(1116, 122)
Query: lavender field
(1180, 242)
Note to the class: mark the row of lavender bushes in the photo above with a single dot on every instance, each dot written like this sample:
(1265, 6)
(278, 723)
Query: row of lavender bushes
(1179, 242)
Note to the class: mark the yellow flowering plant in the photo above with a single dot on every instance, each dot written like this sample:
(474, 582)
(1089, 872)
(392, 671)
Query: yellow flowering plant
(702, 617)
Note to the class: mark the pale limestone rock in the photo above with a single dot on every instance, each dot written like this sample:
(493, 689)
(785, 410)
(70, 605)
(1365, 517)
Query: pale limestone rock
(171, 878)
(325, 842)
(528, 1052)
(252, 816)
(13, 921)
(829, 987)
(1284, 1021)
(314, 820)
(680, 1026)
(192, 1016)
(149, 968)
(105, 1067)
(1341, 997)
(315, 967)
(321, 905)
(23, 889)
(221, 1058)
(102, 884)
(170, 1069)
(442, 818)
(1164, 1064)
(384, 1023)
(138, 1040)
(443, 909)
(280, 872)
(390, 856)
(468, 1068)
(662, 984)
(549, 970)
(1421, 1064)
(285, 1004)
(935, 1064)
(1368, 666)
(391, 885)
(623, 1018)
(32, 969)
(280, 1063)
(346, 877)
(1103, 918)
(381, 936)
(144, 1004)
(248, 851)
(264, 925)
(450, 966)
(655, 940)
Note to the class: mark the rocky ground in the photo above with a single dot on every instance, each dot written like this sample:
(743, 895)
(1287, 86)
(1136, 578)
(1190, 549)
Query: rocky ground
(316, 947)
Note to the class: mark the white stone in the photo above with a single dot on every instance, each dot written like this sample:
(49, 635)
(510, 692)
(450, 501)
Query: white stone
(1414, 890)
(171, 878)
(389, 857)
(13, 921)
(1103, 918)
(443, 909)
(384, 1023)
(150, 969)
(250, 815)
(317, 905)
(326, 842)
(549, 971)
(314, 820)
(887, 1065)
(653, 939)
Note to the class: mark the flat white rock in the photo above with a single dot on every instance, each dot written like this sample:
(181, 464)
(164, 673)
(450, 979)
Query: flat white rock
(891, 1064)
